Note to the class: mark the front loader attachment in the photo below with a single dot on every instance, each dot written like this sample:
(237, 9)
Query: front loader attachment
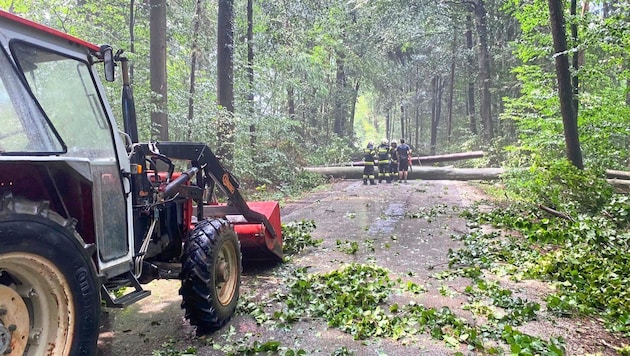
(257, 224)
(257, 243)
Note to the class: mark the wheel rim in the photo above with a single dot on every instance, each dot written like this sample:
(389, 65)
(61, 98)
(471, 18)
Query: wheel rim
(226, 273)
(38, 303)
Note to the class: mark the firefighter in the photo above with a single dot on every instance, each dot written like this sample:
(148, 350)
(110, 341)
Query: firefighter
(393, 165)
(383, 162)
(368, 163)
(404, 155)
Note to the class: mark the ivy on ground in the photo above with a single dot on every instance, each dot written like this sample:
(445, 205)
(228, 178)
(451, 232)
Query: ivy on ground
(585, 256)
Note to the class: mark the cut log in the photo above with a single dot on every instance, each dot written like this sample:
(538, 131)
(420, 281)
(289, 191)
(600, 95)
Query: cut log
(424, 160)
(620, 185)
(447, 157)
(428, 173)
(613, 174)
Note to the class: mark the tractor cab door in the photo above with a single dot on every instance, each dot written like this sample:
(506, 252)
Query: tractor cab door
(68, 91)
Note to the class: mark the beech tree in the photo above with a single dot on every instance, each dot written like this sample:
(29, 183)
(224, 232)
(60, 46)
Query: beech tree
(225, 77)
(159, 87)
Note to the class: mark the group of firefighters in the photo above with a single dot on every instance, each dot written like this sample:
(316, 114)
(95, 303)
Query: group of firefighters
(392, 160)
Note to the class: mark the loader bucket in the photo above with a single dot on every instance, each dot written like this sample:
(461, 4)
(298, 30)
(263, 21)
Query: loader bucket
(257, 243)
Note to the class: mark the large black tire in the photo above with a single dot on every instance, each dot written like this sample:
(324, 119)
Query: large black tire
(211, 275)
(48, 292)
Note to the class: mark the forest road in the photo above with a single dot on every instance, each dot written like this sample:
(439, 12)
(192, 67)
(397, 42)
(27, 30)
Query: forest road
(406, 228)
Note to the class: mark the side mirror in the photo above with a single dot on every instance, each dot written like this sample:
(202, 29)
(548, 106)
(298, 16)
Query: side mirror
(108, 62)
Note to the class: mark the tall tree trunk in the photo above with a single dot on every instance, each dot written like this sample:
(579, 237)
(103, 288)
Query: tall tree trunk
(470, 102)
(576, 56)
(418, 107)
(250, 70)
(353, 109)
(225, 84)
(340, 99)
(193, 67)
(132, 34)
(388, 125)
(565, 92)
(157, 25)
(436, 109)
(485, 80)
(402, 121)
(451, 90)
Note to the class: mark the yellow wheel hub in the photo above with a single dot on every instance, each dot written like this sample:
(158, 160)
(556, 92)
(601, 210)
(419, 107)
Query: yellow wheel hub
(14, 322)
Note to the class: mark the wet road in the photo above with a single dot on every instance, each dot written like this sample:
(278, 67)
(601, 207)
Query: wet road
(405, 228)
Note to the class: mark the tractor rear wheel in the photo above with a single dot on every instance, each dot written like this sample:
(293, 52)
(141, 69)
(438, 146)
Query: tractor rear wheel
(211, 275)
(49, 300)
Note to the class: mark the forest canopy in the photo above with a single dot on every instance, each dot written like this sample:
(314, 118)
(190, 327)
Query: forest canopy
(314, 81)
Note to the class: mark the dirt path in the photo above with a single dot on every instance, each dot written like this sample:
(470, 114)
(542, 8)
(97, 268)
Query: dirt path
(405, 228)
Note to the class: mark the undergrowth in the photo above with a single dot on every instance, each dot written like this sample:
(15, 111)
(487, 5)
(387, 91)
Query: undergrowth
(581, 245)
(585, 257)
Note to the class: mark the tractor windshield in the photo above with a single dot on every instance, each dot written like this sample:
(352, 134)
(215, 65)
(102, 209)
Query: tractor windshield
(23, 128)
(65, 89)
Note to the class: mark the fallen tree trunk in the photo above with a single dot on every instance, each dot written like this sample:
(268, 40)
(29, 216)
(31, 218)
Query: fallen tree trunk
(620, 185)
(614, 174)
(428, 173)
(439, 158)
(447, 157)
(448, 173)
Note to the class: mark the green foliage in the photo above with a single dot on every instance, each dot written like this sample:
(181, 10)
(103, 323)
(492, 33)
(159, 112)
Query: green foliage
(585, 257)
(602, 109)
(169, 350)
(355, 300)
(518, 310)
(296, 236)
(342, 351)
(336, 151)
(267, 347)
(349, 247)
(523, 344)
(559, 185)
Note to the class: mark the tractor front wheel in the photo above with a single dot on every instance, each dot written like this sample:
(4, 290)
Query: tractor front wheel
(211, 275)
(49, 300)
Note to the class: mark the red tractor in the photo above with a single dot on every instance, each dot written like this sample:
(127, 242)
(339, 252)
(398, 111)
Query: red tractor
(86, 210)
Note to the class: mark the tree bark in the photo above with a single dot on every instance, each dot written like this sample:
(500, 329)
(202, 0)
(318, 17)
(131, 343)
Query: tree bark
(611, 173)
(451, 90)
(250, 70)
(428, 173)
(470, 107)
(132, 34)
(353, 108)
(340, 98)
(565, 90)
(402, 121)
(225, 79)
(157, 25)
(193, 67)
(575, 58)
(439, 158)
(436, 110)
(484, 72)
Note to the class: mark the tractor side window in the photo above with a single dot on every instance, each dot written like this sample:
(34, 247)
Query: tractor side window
(65, 90)
(13, 136)
(23, 128)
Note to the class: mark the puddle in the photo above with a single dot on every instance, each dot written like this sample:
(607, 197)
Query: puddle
(387, 222)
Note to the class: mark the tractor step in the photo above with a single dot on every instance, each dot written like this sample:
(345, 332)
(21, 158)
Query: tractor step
(121, 302)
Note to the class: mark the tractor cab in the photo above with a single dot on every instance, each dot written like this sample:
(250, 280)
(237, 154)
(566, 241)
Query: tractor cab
(60, 127)
(87, 211)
